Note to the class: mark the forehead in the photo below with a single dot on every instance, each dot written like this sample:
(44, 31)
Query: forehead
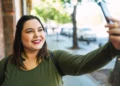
(33, 23)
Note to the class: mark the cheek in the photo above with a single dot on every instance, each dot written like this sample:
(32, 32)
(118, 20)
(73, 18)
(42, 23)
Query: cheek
(43, 35)
(25, 39)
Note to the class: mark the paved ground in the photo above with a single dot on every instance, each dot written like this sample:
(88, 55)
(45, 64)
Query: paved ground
(65, 43)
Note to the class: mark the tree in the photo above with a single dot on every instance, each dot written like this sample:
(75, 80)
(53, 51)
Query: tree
(48, 10)
(73, 16)
(69, 1)
(52, 10)
(75, 42)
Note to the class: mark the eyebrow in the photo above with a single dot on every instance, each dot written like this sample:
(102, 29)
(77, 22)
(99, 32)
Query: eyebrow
(32, 28)
(40, 27)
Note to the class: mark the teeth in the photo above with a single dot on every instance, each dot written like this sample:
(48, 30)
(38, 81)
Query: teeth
(36, 41)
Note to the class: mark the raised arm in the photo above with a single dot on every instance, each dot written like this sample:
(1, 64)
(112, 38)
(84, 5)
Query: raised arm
(72, 64)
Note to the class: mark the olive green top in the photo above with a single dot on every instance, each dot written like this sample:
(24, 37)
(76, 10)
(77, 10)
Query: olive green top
(46, 74)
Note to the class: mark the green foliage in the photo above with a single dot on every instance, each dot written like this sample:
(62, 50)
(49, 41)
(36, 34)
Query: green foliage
(68, 1)
(53, 10)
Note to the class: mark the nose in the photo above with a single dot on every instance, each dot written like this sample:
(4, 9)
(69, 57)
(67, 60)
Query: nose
(36, 34)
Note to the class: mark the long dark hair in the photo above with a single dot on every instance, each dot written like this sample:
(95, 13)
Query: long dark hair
(114, 78)
(18, 46)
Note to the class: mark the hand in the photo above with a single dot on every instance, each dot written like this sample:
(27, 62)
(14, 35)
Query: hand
(114, 32)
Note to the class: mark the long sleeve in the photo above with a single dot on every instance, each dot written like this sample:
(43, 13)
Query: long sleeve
(2, 64)
(71, 64)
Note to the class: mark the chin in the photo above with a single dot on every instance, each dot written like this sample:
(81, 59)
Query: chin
(38, 48)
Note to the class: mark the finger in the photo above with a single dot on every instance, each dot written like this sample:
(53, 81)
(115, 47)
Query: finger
(111, 26)
(115, 31)
(115, 40)
(114, 25)
(112, 19)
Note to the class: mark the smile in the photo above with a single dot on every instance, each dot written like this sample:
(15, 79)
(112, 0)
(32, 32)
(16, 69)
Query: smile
(36, 41)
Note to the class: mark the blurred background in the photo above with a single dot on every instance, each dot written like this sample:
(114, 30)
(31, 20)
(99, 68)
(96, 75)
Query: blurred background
(73, 25)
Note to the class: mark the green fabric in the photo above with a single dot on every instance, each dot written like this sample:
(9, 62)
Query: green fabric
(45, 74)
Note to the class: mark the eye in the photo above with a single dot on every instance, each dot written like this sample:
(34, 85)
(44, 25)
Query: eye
(40, 29)
(29, 31)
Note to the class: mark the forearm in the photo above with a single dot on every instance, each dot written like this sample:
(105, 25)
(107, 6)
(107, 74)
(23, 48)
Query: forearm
(97, 59)
(72, 64)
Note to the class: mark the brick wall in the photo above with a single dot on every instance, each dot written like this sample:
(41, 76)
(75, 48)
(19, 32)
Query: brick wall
(8, 24)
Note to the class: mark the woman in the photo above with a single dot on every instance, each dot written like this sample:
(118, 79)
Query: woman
(31, 65)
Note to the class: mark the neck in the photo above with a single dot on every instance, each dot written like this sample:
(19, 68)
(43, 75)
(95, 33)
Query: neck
(30, 55)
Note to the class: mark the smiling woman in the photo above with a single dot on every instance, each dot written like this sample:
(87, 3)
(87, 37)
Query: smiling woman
(33, 37)
(29, 40)
(31, 65)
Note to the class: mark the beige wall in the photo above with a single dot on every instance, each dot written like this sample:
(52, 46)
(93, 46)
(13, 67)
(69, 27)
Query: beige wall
(18, 9)
(1, 33)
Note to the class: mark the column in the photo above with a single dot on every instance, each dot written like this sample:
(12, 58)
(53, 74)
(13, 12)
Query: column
(1, 33)
(8, 24)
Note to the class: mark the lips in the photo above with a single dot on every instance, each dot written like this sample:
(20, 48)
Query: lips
(36, 41)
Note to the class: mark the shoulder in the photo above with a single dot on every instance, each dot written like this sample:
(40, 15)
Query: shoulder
(60, 52)
(4, 60)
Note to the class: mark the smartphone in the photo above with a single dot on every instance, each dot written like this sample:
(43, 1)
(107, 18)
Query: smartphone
(105, 11)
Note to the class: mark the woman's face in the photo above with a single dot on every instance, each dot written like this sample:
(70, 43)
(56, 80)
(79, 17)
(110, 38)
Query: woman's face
(33, 35)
